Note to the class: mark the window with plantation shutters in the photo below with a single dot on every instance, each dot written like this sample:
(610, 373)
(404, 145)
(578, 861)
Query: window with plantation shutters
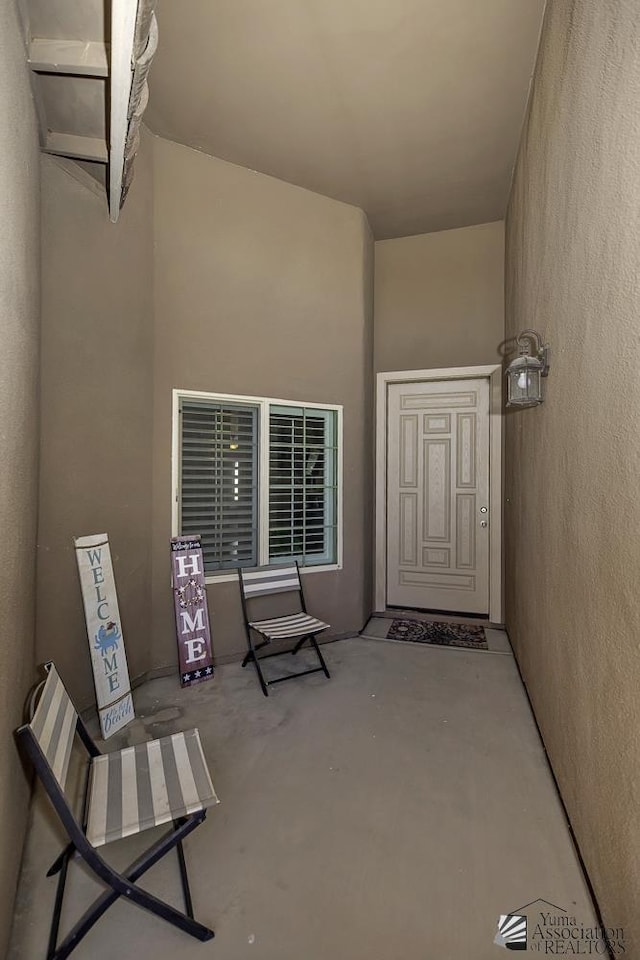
(257, 480)
(219, 481)
(302, 485)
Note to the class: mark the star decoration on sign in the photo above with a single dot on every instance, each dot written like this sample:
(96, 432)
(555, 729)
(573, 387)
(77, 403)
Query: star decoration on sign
(196, 675)
(190, 594)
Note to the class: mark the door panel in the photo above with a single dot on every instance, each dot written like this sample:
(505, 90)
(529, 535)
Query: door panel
(438, 495)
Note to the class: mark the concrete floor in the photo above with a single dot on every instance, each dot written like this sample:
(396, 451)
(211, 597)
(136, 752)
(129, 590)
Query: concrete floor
(394, 811)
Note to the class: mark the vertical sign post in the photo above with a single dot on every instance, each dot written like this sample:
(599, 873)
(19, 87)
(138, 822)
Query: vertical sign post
(106, 643)
(192, 614)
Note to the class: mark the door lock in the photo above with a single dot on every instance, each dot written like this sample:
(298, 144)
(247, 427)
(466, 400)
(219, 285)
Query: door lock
(483, 509)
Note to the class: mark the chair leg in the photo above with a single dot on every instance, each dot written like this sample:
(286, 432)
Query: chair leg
(58, 863)
(61, 865)
(123, 885)
(314, 643)
(188, 903)
(181, 920)
(253, 649)
(301, 642)
(320, 658)
(251, 656)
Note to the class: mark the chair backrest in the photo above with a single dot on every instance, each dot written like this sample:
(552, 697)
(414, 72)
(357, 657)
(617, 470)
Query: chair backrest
(48, 740)
(261, 581)
(54, 724)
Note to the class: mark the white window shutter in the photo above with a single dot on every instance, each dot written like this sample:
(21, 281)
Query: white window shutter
(219, 480)
(302, 485)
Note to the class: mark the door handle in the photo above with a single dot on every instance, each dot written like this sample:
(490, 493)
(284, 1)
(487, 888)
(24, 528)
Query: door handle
(483, 523)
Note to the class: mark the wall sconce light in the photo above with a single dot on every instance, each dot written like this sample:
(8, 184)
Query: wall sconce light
(524, 384)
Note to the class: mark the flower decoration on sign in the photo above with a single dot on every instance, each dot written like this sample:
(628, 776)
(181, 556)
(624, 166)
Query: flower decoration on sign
(190, 594)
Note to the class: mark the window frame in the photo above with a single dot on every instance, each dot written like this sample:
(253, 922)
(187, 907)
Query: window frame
(263, 406)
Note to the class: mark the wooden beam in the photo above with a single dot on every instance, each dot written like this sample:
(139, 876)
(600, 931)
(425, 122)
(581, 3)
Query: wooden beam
(79, 58)
(123, 26)
(78, 148)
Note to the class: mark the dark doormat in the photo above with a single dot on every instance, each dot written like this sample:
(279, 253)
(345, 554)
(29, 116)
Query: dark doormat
(436, 632)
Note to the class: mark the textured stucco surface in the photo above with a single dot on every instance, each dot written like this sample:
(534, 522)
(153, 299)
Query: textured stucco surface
(19, 309)
(266, 280)
(573, 552)
(261, 289)
(439, 299)
(97, 355)
(410, 109)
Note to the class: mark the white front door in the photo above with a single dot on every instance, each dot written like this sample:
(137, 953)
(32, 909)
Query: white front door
(438, 495)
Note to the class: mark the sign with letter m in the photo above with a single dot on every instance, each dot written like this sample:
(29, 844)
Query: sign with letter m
(192, 615)
(104, 629)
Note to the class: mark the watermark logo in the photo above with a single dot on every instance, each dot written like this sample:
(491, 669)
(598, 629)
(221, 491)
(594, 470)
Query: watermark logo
(543, 927)
(512, 931)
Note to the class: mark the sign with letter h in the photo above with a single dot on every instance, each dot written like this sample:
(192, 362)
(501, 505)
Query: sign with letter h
(192, 616)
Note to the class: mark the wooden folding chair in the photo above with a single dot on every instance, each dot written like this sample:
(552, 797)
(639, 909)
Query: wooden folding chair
(125, 792)
(299, 626)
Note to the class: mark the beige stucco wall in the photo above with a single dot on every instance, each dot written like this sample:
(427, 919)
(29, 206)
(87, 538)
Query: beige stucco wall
(19, 309)
(261, 288)
(410, 110)
(97, 356)
(439, 299)
(573, 465)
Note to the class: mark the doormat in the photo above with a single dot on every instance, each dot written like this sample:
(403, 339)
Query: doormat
(429, 631)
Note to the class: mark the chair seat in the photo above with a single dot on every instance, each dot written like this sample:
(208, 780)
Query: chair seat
(294, 625)
(146, 785)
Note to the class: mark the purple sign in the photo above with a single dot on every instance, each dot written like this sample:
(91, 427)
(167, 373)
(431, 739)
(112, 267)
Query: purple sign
(192, 615)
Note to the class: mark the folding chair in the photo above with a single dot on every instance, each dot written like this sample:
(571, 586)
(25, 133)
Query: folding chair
(299, 626)
(125, 792)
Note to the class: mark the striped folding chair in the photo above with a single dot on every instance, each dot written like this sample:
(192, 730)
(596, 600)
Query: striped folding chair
(125, 792)
(298, 626)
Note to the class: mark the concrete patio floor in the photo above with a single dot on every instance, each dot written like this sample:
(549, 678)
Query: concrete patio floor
(394, 811)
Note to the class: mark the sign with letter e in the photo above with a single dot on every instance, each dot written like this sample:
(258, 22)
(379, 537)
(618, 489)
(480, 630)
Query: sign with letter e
(106, 643)
(192, 615)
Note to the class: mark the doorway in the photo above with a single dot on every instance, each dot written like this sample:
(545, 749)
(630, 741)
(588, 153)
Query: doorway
(438, 491)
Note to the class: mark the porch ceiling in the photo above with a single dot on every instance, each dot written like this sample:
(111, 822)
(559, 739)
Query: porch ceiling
(410, 109)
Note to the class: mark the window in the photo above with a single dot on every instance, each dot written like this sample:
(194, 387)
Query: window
(257, 479)
(219, 480)
(302, 485)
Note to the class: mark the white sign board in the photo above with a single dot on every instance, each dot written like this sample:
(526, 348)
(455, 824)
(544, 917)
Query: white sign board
(106, 643)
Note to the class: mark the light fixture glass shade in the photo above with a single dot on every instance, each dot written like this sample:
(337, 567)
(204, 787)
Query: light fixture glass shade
(524, 382)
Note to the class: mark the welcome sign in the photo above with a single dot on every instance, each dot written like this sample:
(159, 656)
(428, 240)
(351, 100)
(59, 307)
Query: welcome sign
(106, 643)
(192, 615)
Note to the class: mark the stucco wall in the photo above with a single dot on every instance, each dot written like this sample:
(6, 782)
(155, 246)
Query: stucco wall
(19, 309)
(261, 288)
(573, 465)
(439, 299)
(97, 356)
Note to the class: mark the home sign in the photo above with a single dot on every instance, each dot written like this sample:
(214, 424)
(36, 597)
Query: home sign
(192, 615)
